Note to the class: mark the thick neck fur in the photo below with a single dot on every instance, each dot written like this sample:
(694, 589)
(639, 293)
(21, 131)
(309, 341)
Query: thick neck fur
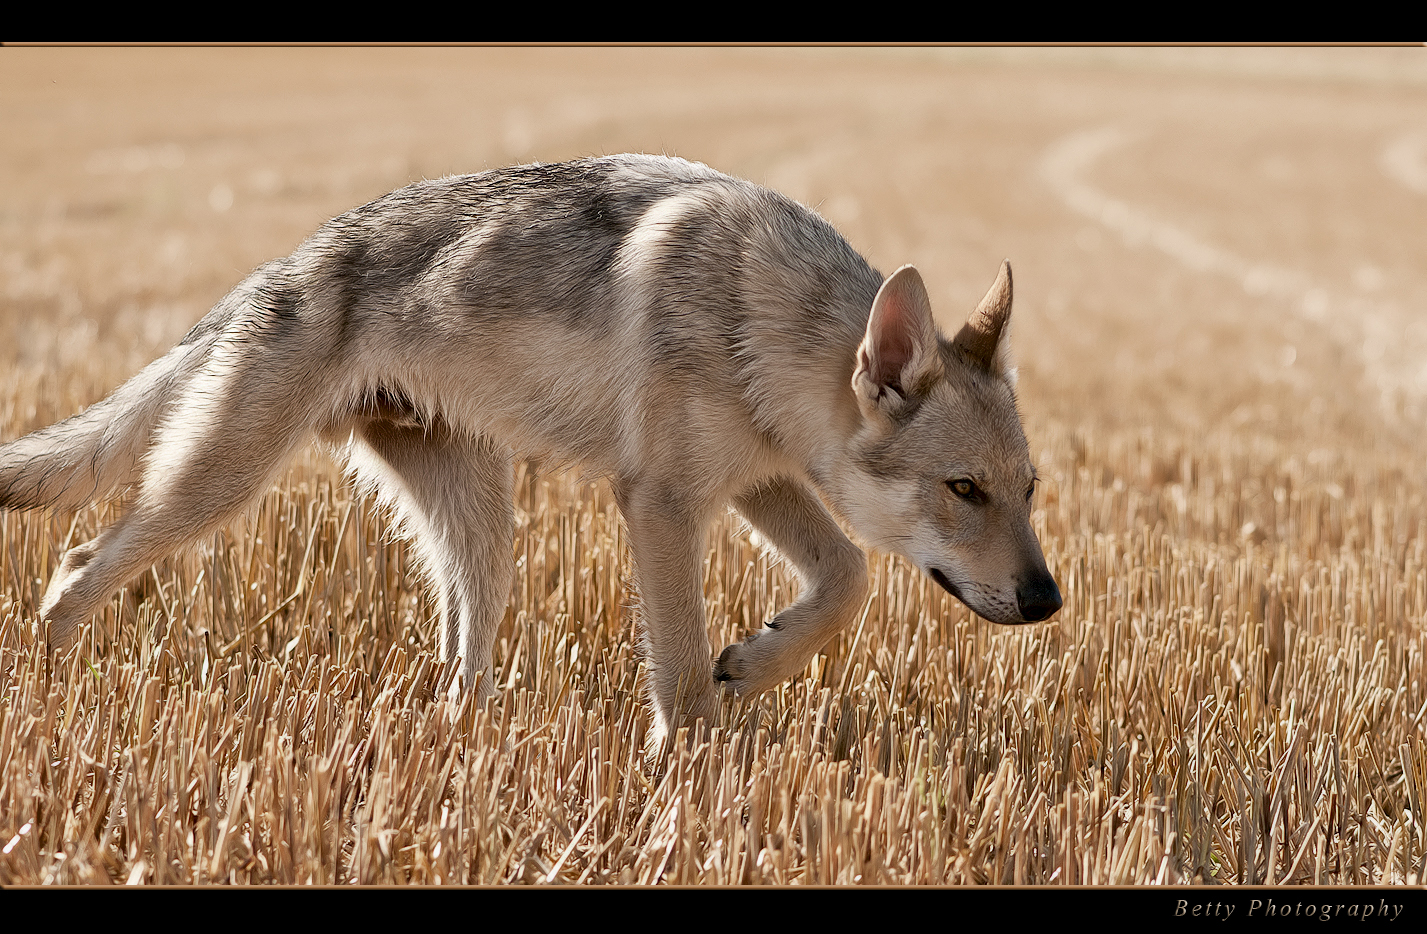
(799, 352)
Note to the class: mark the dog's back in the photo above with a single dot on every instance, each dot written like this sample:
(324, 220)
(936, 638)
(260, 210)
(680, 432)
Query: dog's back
(566, 309)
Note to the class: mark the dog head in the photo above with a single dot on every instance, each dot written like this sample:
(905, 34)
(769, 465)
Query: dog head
(939, 470)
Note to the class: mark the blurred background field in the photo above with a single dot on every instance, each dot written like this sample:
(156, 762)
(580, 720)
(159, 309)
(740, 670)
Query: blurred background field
(1221, 328)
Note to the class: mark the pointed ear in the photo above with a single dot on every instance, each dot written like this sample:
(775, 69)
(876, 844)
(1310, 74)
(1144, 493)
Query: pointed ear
(898, 358)
(982, 340)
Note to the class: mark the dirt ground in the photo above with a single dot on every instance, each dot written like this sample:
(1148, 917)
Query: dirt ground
(1213, 239)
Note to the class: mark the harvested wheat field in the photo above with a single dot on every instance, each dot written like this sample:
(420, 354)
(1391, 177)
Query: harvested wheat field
(1221, 328)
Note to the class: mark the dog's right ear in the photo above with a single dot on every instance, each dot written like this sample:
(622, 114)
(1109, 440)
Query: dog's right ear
(898, 359)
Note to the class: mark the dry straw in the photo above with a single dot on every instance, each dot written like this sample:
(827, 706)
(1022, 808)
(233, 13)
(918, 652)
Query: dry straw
(1234, 692)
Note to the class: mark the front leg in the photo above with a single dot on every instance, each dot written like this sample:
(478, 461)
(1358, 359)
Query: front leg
(833, 571)
(667, 537)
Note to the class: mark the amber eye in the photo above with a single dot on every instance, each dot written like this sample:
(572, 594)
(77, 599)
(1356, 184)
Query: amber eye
(963, 487)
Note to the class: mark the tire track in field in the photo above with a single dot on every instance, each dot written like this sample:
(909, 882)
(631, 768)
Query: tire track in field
(1375, 333)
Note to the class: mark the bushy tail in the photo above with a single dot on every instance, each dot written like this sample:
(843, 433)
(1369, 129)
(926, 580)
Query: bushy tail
(96, 454)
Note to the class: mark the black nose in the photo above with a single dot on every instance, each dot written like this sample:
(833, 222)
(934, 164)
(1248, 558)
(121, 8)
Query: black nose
(1038, 598)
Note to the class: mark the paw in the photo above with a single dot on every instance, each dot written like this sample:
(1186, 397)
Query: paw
(58, 625)
(695, 717)
(728, 667)
(740, 666)
(58, 635)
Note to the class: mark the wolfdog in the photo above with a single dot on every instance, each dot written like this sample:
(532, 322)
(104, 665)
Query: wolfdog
(698, 339)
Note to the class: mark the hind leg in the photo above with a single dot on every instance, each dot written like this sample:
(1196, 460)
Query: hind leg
(234, 427)
(453, 494)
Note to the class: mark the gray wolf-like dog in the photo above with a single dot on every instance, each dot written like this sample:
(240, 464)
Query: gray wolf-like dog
(698, 339)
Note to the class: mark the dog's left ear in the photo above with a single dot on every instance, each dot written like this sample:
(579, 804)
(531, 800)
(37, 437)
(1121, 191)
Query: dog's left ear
(982, 340)
(898, 359)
